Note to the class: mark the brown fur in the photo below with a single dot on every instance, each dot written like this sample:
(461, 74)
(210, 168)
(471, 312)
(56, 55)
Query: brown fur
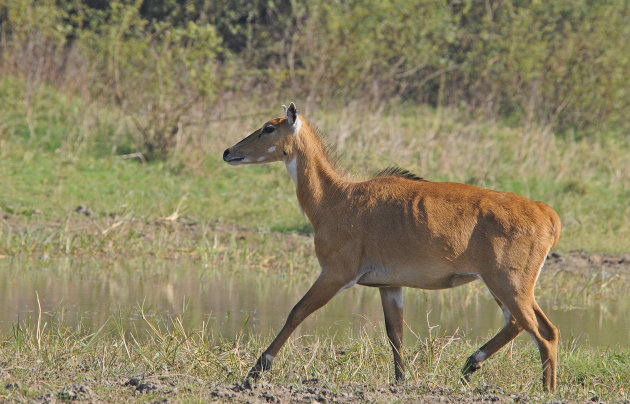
(392, 231)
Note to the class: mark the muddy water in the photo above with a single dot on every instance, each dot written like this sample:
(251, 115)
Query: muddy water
(94, 291)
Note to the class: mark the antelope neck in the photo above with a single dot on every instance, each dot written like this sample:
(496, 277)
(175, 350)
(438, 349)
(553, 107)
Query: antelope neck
(318, 184)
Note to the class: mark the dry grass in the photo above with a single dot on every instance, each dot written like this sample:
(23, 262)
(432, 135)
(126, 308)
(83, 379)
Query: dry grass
(171, 362)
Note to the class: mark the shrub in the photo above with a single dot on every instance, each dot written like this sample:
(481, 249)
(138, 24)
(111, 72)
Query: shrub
(558, 64)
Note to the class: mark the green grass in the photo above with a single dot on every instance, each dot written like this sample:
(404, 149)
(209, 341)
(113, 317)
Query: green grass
(36, 181)
(41, 187)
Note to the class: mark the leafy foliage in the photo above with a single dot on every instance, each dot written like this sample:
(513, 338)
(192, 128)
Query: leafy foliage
(556, 64)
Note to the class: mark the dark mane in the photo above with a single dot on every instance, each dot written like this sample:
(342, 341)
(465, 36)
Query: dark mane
(398, 172)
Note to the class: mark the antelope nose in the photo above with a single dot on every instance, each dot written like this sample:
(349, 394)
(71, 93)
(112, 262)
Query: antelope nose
(225, 153)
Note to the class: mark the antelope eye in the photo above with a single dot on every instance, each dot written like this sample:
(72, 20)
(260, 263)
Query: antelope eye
(269, 129)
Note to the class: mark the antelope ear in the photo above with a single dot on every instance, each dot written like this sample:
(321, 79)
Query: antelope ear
(292, 114)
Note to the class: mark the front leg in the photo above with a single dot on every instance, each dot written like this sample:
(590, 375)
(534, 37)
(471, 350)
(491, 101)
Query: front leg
(324, 288)
(392, 300)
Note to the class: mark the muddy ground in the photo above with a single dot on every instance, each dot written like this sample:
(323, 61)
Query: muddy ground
(314, 391)
(158, 390)
(165, 390)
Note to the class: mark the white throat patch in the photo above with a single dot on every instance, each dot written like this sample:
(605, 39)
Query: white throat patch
(292, 169)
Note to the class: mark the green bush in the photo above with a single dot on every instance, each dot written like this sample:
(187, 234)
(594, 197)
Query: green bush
(552, 63)
(559, 64)
(151, 71)
(154, 71)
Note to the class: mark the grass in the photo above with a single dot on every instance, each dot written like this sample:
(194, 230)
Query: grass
(180, 364)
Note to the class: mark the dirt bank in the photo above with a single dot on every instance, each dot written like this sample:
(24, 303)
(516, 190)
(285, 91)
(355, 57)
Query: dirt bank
(583, 262)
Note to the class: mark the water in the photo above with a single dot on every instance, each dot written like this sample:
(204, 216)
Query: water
(93, 291)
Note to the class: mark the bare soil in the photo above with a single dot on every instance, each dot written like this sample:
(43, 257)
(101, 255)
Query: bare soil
(312, 390)
(163, 390)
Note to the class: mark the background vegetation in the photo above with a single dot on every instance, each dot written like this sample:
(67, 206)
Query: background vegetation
(524, 96)
(555, 63)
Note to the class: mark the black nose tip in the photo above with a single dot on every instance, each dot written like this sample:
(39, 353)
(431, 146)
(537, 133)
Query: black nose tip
(225, 153)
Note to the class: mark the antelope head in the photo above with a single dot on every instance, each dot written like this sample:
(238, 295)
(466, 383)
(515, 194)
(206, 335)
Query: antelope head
(274, 141)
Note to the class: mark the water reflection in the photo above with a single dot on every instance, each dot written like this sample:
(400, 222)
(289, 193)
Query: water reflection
(94, 291)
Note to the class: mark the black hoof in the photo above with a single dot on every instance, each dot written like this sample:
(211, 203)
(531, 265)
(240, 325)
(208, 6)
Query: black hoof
(261, 365)
(469, 368)
(252, 375)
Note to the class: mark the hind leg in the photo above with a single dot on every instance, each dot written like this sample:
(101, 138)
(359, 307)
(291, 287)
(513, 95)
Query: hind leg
(509, 331)
(530, 317)
(546, 336)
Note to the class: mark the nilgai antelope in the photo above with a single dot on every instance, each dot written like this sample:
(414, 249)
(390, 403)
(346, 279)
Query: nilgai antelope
(398, 230)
